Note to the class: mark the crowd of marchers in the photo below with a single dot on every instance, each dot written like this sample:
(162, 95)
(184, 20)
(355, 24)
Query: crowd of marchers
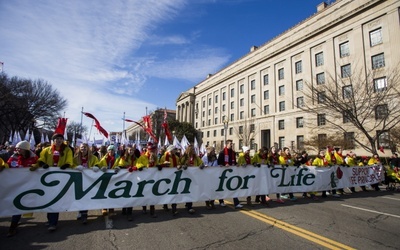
(60, 154)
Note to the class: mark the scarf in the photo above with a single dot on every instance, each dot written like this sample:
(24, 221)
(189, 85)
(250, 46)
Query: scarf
(247, 158)
(173, 159)
(84, 161)
(227, 156)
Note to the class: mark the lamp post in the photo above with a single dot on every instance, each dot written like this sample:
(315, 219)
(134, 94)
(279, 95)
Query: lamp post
(226, 123)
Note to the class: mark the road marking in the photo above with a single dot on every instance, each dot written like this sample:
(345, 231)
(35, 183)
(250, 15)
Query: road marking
(391, 198)
(316, 238)
(371, 211)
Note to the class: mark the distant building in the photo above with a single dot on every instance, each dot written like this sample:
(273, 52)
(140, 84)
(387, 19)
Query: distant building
(262, 90)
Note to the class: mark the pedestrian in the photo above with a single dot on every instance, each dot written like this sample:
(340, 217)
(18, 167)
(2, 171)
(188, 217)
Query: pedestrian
(261, 158)
(285, 159)
(107, 162)
(227, 158)
(190, 159)
(126, 161)
(22, 158)
(244, 159)
(171, 160)
(57, 155)
(210, 160)
(147, 160)
(274, 154)
(85, 159)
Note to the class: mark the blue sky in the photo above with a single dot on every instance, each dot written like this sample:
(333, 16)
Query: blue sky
(111, 57)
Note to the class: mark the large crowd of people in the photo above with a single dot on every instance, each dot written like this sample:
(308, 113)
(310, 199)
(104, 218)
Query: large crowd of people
(60, 154)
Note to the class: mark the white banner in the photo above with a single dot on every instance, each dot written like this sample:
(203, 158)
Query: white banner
(55, 190)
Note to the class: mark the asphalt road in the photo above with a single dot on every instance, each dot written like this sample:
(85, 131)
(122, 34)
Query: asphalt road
(363, 220)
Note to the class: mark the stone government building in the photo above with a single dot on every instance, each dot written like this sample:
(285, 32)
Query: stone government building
(261, 91)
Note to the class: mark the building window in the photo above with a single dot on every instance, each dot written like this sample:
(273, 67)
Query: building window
(215, 133)
(383, 139)
(322, 138)
(321, 78)
(281, 124)
(298, 67)
(223, 107)
(266, 79)
(266, 109)
(232, 105)
(209, 122)
(209, 112)
(252, 128)
(300, 102)
(281, 140)
(204, 113)
(253, 84)
(299, 122)
(380, 84)
(240, 130)
(223, 96)
(216, 99)
(381, 111)
(347, 116)
(232, 92)
(216, 120)
(321, 97)
(282, 106)
(241, 102)
(266, 94)
(349, 139)
(253, 112)
(319, 59)
(253, 98)
(208, 133)
(281, 74)
(378, 61)
(241, 89)
(232, 117)
(345, 70)
(204, 104)
(321, 119)
(299, 85)
(230, 131)
(281, 90)
(347, 92)
(222, 132)
(300, 142)
(223, 118)
(215, 110)
(241, 115)
(375, 37)
(344, 49)
(209, 101)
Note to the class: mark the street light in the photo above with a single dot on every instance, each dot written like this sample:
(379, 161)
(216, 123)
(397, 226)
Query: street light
(226, 122)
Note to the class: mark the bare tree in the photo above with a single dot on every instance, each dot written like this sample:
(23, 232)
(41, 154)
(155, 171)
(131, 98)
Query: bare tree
(25, 102)
(362, 107)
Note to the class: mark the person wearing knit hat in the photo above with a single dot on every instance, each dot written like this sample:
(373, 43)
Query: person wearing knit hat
(57, 155)
(107, 162)
(22, 158)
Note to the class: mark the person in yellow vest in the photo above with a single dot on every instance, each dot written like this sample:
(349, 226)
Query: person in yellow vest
(107, 162)
(261, 158)
(244, 159)
(190, 159)
(171, 160)
(333, 158)
(374, 160)
(84, 159)
(149, 159)
(126, 161)
(57, 155)
(351, 161)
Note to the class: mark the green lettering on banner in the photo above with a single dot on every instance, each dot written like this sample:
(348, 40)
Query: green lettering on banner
(126, 189)
(75, 178)
(156, 187)
(178, 179)
(142, 184)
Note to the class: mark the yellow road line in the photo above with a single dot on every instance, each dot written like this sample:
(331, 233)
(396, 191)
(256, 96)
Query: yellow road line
(316, 238)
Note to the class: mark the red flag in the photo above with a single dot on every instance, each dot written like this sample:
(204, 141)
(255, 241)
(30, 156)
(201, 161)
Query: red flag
(61, 125)
(165, 126)
(97, 124)
(146, 128)
(381, 149)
